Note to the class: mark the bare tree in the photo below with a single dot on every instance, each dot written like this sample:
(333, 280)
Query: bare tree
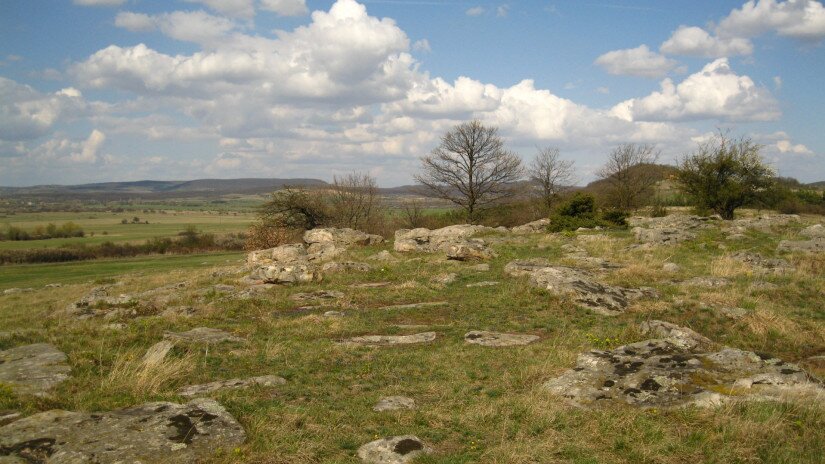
(629, 175)
(354, 200)
(471, 168)
(551, 173)
(412, 211)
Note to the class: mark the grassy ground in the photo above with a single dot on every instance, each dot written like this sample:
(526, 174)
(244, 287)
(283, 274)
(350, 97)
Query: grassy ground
(475, 404)
(108, 227)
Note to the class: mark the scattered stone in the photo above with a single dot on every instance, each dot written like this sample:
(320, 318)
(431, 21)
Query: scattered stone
(709, 282)
(534, 227)
(33, 369)
(346, 266)
(814, 245)
(761, 264)
(52, 285)
(317, 295)
(390, 340)
(207, 388)
(484, 338)
(223, 288)
(115, 326)
(183, 311)
(202, 335)
(601, 298)
(287, 274)
(765, 222)
(425, 304)
(394, 450)
(525, 267)
(734, 313)
(671, 268)
(13, 291)
(334, 314)
(678, 370)
(485, 283)
(814, 231)
(392, 403)
(445, 279)
(152, 432)
(371, 285)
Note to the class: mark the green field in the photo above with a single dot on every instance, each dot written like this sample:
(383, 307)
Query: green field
(103, 226)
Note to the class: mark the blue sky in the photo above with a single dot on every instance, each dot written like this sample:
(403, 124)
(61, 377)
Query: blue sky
(99, 90)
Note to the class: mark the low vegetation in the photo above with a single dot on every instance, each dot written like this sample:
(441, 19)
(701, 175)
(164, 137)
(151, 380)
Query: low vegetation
(66, 230)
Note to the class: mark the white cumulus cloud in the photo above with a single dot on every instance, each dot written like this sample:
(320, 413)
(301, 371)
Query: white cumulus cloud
(639, 61)
(285, 7)
(695, 41)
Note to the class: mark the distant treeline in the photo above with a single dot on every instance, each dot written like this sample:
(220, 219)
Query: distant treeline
(69, 229)
(189, 241)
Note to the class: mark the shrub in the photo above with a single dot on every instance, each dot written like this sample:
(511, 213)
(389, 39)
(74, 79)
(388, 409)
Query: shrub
(581, 211)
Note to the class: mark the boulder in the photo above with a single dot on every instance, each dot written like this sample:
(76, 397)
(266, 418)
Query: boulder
(662, 236)
(677, 370)
(389, 340)
(284, 254)
(469, 250)
(345, 266)
(432, 241)
(33, 369)
(671, 268)
(814, 231)
(601, 298)
(287, 273)
(344, 237)
(533, 227)
(152, 432)
(207, 388)
(383, 256)
(445, 279)
(392, 403)
(485, 338)
(393, 450)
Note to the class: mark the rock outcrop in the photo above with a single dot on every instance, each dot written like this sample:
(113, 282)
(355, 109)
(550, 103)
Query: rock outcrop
(393, 450)
(814, 245)
(33, 369)
(533, 227)
(601, 298)
(679, 368)
(667, 230)
(152, 432)
(389, 340)
(433, 241)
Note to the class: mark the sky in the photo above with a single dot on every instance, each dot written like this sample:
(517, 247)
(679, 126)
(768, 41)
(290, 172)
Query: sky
(124, 90)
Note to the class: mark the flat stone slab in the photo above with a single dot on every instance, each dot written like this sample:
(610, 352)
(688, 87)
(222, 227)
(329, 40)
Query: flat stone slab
(33, 369)
(486, 283)
(393, 450)
(484, 338)
(390, 340)
(346, 266)
(317, 295)
(425, 304)
(392, 403)
(152, 432)
(202, 335)
(371, 285)
(206, 388)
(608, 300)
(677, 370)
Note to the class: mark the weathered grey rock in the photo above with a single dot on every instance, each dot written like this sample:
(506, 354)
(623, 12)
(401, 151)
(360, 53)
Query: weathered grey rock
(98, 302)
(157, 352)
(317, 295)
(344, 237)
(762, 285)
(485, 283)
(105, 302)
(765, 222)
(671, 268)
(393, 450)
(734, 313)
(425, 304)
(814, 231)
(708, 282)
(8, 416)
(483, 267)
(211, 387)
(678, 370)
(152, 432)
(287, 273)
(383, 256)
(388, 340)
(223, 288)
(673, 221)
(761, 264)
(533, 227)
(202, 335)
(13, 291)
(33, 369)
(601, 298)
(525, 267)
(485, 338)
(469, 250)
(284, 254)
(346, 266)
(392, 403)
(445, 279)
(662, 236)
(431, 241)
(814, 245)
(334, 314)
(371, 285)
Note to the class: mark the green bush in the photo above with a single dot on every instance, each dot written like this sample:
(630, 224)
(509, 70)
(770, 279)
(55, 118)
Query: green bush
(581, 211)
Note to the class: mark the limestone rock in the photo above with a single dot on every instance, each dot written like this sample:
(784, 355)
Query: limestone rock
(287, 273)
(389, 340)
(383, 256)
(445, 279)
(533, 227)
(157, 352)
(431, 241)
(202, 335)
(344, 237)
(483, 267)
(424, 304)
(393, 450)
(761, 264)
(671, 268)
(765, 222)
(392, 403)
(708, 282)
(152, 432)
(284, 254)
(33, 369)
(469, 250)
(485, 338)
(814, 231)
(663, 236)
(601, 298)
(317, 295)
(814, 245)
(205, 389)
(345, 266)
(676, 371)
(484, 283)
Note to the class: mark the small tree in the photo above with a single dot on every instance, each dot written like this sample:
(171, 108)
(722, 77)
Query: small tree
(628, 175)
(724, 174)
(553, 174)
(471, 168)
(354, 200)
(412, 212)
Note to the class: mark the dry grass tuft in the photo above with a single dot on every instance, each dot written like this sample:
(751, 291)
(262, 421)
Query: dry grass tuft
(149, 374)
(763, 321)
(726, 266)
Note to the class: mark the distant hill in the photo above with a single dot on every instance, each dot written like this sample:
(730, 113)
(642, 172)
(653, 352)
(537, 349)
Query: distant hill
(816, 185)
(661, 172)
